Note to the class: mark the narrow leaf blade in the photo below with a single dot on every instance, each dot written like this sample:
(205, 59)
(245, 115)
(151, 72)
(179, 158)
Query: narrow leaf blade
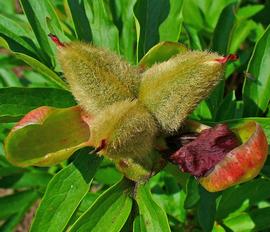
(207, 210)
(64, 193)
(104, 32)
(80, 20)
(36, 12)
(256, 94)
(149, 14)
(170, 28)
(110, 210)
(153, 216)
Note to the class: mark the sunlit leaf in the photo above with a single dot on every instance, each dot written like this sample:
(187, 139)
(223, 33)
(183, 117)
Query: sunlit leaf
(170, 28)
(256, 93)
(124, 20)
(64, 193)
(110, 210)
(16, 102)
(153, 217)
(104, 32)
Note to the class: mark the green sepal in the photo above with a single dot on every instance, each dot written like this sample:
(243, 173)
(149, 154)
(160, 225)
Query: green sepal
(47, 136)
(161, 52)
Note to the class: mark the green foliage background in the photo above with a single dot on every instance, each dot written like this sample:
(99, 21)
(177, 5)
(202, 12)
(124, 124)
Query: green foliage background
(30, 77)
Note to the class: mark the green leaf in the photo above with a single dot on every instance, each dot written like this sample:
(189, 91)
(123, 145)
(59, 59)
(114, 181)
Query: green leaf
(192, 193)
(29, 198)
(240, 33)
(86, 202)
(207, 209)
(47, 136)
(170, 28)
(194, 38)
(240, 223)
(32, 180)
(7, 171)
(153, 216)
(36, 13)
(43, 69)
(125, 21)
(193, 15)
(256, 93)
(149, 14)
(7, 7)
(109, 211)
(260, 217)
(227, 108)
(80, 20)
(137, 226)
(16, 102)
(108, 175)
(128, 226)
(223, 30)
(53, 17)
(214, 100)
(249, 11)
(36, 80)
(9, 78)
(17, 38)
(202, 112)
(64, 193)
(221, 42)
(167, 193)
(161, 52)
(12, 204)
(37, 65)
(104, 32)
(54, 24)
(255, 191)
(180, 177)
(218, 228)
(203, 15)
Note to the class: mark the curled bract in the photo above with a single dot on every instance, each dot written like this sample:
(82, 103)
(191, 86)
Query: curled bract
(221, 158)
(242, 163)
(47, 136)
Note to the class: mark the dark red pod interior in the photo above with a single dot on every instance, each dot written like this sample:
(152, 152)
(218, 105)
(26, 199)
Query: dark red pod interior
(203, 153)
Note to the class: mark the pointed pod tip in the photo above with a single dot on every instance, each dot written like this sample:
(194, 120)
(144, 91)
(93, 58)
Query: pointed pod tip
(225, 59)
(56, 40)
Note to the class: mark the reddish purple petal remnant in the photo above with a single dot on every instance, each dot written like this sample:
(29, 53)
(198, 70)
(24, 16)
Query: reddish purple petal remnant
(201, 155)
(225, 59)
(56, 40)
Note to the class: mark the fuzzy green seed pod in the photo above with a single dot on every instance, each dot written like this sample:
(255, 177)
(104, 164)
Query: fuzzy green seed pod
(172, 89)
(127, 131)
(97, 77)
